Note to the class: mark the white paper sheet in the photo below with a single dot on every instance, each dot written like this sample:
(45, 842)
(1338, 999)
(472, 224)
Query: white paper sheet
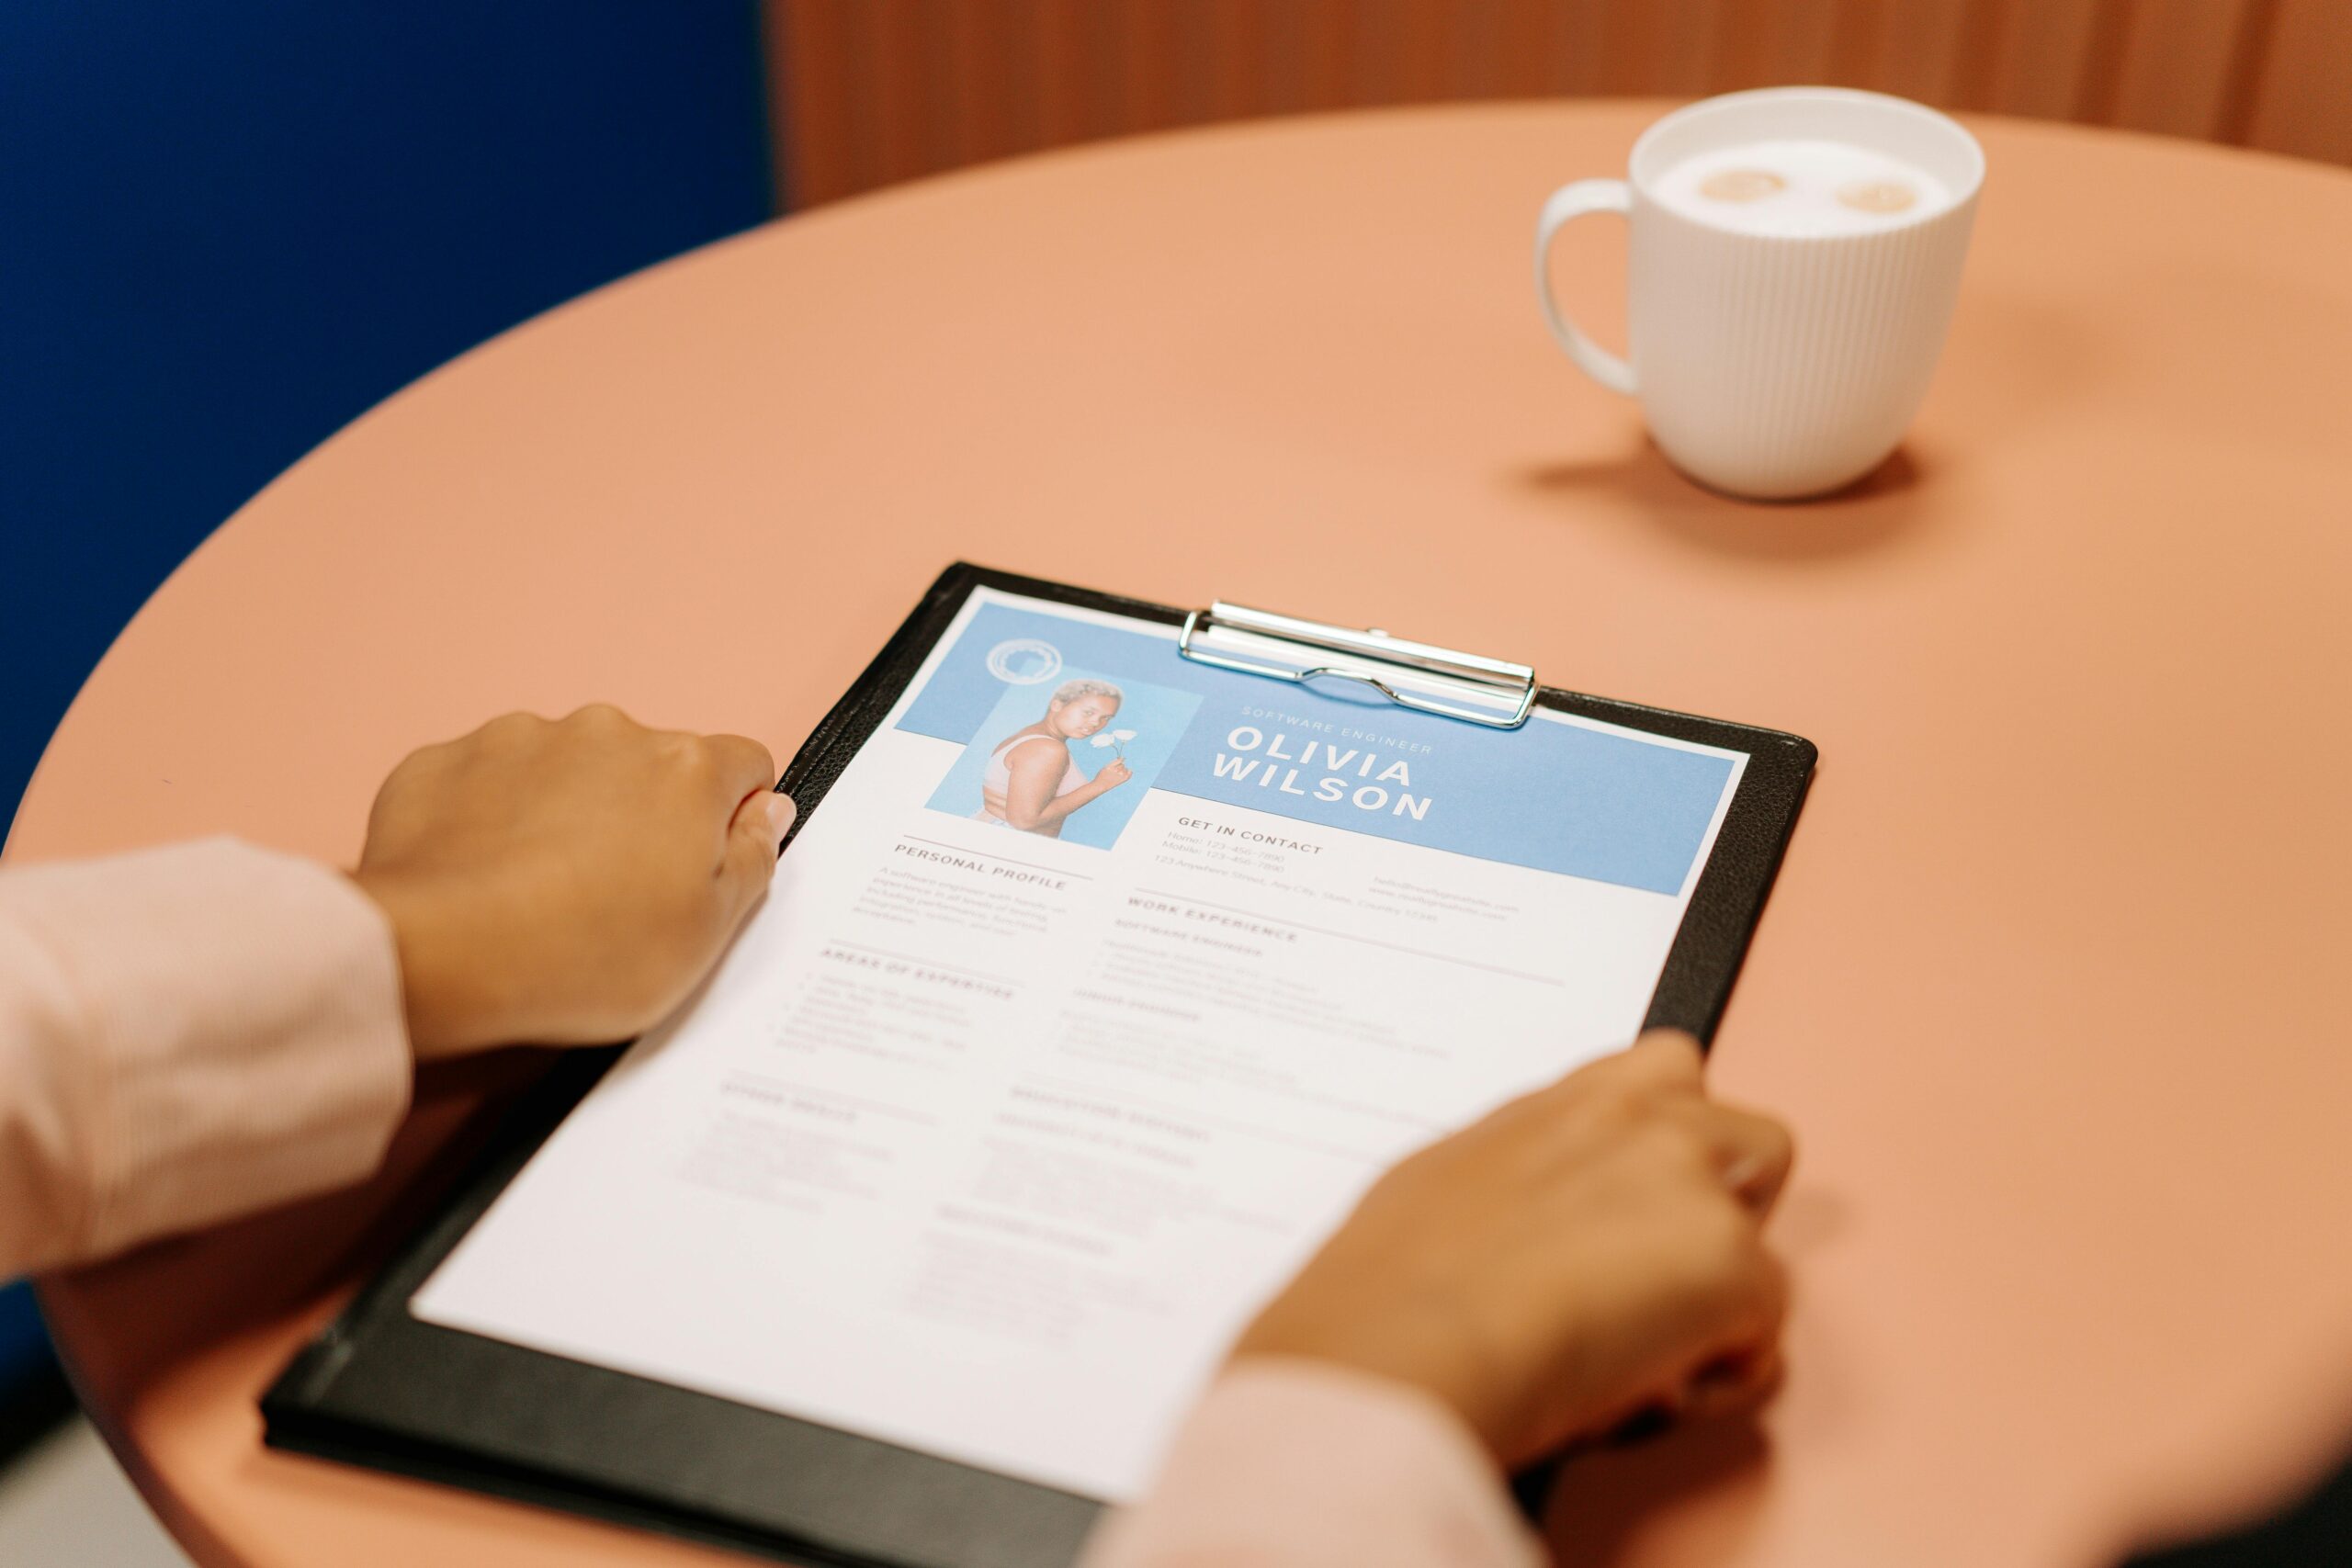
(985, 1143)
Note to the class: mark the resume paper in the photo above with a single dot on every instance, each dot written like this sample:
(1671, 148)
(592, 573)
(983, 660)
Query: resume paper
(1085, 1004)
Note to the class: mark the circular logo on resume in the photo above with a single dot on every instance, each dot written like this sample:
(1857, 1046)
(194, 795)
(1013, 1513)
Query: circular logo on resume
(1024, 661)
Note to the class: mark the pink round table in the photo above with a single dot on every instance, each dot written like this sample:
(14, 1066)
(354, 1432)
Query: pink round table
(2050, 985)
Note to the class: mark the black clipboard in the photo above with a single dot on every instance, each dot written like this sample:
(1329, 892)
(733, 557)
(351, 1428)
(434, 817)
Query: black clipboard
(380, 1388)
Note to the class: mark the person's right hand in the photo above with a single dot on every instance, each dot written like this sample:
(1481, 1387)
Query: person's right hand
(566, 882)
(1114, 774)
(1588, 1253)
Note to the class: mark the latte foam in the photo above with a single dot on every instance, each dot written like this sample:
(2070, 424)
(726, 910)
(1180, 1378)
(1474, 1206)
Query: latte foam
(1802, 189)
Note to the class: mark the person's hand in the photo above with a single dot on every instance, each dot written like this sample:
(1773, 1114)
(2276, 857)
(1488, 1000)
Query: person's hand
(1114, 774)
(1588, 1253)
(567, 882)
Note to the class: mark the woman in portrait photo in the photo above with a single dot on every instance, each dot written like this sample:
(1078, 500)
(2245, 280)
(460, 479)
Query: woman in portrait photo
(1032, 783)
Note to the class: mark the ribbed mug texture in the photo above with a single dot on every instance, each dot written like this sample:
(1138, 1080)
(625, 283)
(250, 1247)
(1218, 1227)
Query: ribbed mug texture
(1777, 366)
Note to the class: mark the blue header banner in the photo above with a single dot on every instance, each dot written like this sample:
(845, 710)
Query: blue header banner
(1560, 797)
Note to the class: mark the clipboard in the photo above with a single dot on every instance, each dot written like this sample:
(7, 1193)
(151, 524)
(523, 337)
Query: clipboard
(382, 1389)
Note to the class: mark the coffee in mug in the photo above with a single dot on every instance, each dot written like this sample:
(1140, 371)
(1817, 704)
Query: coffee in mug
(1802, 189)
(1795, 254)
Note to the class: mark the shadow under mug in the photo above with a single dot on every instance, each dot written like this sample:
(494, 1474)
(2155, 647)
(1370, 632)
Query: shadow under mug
(1777, 366)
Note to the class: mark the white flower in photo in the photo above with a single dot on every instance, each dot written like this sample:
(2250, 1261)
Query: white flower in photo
(1118, 738)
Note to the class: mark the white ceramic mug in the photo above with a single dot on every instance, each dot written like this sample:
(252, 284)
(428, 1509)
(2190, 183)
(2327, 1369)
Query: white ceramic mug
(1776, 365)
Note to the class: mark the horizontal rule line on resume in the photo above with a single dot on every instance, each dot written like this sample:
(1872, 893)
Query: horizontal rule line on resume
(983, 854)
(1346, 936)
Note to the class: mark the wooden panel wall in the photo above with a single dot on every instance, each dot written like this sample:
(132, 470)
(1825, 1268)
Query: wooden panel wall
(873, 91)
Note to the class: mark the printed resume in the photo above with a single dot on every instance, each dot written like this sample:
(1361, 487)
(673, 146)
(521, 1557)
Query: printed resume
(1084, 1006)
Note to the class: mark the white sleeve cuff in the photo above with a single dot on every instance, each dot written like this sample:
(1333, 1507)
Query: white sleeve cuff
(1294, 1464)
(219, 1029)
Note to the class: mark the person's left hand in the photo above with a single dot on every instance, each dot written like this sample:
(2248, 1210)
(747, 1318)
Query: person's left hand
(566, 882)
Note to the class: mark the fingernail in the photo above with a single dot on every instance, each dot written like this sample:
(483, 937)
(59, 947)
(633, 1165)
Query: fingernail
(781, 811)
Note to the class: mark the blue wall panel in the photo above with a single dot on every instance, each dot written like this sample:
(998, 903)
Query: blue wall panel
(228, 229)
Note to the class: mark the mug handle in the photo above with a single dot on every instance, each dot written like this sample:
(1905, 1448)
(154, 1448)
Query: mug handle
(1575, 201)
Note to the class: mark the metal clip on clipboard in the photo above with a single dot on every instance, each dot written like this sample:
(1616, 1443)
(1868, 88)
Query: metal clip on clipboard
(1370, 659)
